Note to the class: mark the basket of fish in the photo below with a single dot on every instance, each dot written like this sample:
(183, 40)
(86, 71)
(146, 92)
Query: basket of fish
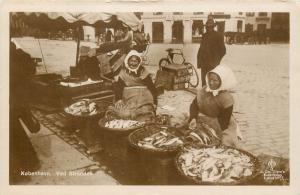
(120, 125)
(83, 108)
(217, 165)
(156, 139)
(156, 147)
(203, 135)
(115, 138)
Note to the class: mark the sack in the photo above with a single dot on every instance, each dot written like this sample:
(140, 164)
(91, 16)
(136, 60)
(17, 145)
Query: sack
(31, 122)
(104, 64)
(164, 79)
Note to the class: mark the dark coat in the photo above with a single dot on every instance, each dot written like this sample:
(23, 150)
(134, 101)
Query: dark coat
(211, 51)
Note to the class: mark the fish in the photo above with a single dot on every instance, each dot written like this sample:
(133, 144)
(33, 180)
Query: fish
(205, 137)
(213, 133)
(197, 136)
(215, 164)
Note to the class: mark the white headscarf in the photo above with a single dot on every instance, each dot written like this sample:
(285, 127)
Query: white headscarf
(133, 53)
(228, 80)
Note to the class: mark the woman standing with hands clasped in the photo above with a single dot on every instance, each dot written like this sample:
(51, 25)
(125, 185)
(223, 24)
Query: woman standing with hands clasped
(213, 105)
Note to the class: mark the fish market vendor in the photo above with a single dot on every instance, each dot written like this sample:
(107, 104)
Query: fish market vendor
(135, 93)
(215, 103)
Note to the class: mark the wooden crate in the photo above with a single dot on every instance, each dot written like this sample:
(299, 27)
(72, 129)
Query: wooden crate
(176, 69)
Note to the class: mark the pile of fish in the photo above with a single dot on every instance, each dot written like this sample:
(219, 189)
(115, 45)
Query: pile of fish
(161, 140)
(221, 165)
(203, 136)
(84, 107)
(122, 124)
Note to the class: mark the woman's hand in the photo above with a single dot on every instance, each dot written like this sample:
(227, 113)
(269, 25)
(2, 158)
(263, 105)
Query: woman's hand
(193, 124)
(119, 104)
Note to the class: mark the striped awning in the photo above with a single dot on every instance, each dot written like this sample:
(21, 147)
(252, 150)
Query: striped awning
(128, 19)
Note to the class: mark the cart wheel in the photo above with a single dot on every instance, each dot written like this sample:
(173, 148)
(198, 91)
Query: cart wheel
(192, 71)
(163, 62)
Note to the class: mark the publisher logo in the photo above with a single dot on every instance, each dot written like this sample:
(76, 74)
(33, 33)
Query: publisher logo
(272, 174)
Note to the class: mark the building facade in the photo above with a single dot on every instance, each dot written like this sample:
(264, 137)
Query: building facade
(258, 21)
(187, 27)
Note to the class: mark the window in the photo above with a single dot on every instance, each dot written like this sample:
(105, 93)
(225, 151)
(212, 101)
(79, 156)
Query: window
(239, 25)
(157, 13)
(157, 32)
(250, 14)
(197, 28)
(262, 14)
(178, 13)
(197, 13)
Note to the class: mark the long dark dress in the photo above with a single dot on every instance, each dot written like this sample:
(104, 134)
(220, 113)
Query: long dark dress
(22, 156)
(210, 53)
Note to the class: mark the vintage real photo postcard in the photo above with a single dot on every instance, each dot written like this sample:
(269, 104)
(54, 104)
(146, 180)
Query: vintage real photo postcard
(185, 98)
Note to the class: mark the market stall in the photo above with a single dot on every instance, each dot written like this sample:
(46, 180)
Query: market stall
(56, 92)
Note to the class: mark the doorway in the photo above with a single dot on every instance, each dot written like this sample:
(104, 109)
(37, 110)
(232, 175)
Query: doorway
(177, 32)
(157, 32)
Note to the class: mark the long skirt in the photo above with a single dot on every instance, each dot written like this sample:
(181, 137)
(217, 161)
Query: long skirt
(138, 105)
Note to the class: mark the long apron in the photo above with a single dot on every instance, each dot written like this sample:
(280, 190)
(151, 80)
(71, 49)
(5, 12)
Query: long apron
(228, 136)
(139, 100)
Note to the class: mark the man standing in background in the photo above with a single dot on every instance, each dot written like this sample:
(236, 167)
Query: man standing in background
(212, 49)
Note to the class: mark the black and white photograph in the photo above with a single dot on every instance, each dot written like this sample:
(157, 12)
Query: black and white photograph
(149, 98)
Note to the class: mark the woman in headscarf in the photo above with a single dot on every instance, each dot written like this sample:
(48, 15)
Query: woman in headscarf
(215, 103)
(135, 92)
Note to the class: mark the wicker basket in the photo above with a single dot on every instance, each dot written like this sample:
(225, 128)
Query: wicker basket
(123, 131)
(147, 131)
(115, 141)
(242, 181)
(158, 164)
(80, 121)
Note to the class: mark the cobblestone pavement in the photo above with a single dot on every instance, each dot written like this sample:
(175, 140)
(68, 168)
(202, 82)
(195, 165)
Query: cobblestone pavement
(262, 95)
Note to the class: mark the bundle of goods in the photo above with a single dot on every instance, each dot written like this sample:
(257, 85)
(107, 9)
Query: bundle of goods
(122, 124)
(203, 135)
(162, 139)
(217, 165)
(84, 107)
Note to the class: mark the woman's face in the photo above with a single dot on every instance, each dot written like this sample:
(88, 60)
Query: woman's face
(214, 81)
(133, 62)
